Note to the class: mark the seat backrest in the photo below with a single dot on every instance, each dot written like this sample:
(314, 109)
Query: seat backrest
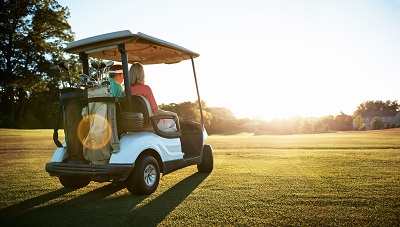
(140, 104)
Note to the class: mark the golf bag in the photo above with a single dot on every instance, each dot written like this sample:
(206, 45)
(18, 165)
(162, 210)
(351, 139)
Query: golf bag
(72, 100)
(102, 138)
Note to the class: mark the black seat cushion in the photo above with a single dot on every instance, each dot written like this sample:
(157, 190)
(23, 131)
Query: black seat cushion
(139, 104)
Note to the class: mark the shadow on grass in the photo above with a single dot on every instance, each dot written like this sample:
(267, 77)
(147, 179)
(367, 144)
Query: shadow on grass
(157, 209)
(96, 209)
(33, 202)
(35, 212)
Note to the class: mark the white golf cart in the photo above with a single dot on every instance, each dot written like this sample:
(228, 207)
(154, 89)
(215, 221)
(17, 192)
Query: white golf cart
(105, 140)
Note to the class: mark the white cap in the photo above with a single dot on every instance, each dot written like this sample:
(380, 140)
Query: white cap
(116, 71)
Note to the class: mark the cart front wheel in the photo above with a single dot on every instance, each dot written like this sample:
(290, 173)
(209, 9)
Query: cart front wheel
(207, 161)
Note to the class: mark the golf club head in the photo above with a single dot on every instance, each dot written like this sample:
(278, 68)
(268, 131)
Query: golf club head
(109, 63)
(91, 83)
(82, 82)
(95, 65)
(102, 65)
(64, 66)
(83, 76)
(55, 68)
(91, 79)
(105, 83)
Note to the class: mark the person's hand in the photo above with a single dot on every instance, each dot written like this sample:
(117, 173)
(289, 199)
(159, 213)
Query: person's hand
(176, 118)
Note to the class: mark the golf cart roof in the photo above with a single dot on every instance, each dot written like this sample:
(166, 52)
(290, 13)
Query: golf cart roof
(139, 47)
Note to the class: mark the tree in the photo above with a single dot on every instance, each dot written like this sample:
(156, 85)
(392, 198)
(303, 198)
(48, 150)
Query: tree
(319, 126)
(222, 121)
(31, 40)
(189, 111)
(306, 126)
(344, 122)
(359, 123)
(329, 122)
(376, 123)
(377, 105)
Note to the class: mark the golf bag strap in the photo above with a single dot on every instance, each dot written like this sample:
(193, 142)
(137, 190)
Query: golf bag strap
(112, 118)
(55, 133)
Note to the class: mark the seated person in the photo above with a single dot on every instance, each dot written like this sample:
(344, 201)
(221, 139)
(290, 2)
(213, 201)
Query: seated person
(116, 78)
(138, 87)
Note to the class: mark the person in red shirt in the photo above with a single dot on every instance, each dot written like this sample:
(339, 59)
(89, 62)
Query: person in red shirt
(138, 87)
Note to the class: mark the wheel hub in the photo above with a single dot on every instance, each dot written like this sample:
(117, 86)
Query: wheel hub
(150, 175)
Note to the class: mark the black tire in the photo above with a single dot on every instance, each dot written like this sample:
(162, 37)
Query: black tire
(144, 177)
(207, 161)
(73, 181)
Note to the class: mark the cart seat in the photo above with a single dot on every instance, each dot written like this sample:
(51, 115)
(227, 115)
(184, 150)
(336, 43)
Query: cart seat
(128, 120)
(133, 120)
(142, 105)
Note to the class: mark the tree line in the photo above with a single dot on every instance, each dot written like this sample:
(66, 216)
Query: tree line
(219, 120)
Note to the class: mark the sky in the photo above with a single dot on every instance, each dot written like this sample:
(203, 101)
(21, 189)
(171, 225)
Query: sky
(263, 58)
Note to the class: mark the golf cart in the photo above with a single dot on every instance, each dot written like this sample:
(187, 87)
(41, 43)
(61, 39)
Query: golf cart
(105, 140)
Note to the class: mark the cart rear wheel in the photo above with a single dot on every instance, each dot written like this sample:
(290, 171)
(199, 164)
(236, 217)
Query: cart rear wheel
(73, 181)
(145, 176)
(207, 161)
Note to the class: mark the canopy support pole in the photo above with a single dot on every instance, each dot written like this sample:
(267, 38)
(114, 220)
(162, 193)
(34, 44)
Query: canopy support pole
(124, 58)
(85, 62)
(198, 93)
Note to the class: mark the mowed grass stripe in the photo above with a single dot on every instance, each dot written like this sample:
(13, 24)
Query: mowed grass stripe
(385, 139)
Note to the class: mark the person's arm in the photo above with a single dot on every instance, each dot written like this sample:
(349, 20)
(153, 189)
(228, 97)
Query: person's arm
(164, 112)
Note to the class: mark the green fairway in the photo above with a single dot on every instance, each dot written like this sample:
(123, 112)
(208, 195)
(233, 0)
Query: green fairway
(343, 178)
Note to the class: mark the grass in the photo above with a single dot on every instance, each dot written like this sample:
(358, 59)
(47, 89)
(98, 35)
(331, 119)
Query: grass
(332, 179)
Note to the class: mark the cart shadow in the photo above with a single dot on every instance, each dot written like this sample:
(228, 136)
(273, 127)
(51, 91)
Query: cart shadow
(33, 202)
(157, 209)
(95, 208)
(35, 212)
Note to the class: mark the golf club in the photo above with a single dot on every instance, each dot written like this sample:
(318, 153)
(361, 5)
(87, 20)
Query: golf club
(105, 82)
(56, 68)
(109, 64)
(83, 79)
(96, 65)
(102, 67)
(107, 69)
(63, 65)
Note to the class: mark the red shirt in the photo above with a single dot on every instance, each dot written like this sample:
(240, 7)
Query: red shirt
(144, 90)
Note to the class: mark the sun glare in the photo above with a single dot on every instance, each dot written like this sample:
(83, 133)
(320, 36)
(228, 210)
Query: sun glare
(98, 125)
